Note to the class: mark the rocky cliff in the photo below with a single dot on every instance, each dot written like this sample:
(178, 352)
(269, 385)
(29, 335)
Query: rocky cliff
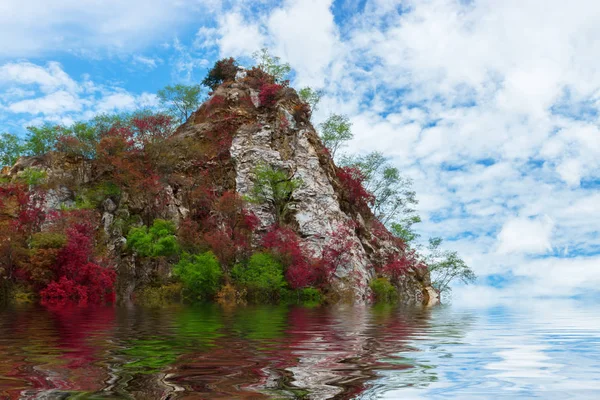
(220, 146)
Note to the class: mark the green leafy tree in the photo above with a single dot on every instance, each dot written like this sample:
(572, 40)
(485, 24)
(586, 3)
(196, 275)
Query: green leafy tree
(200, 273)
(11, 149)
(336, 132)
(41, 139)
(310, 97)
(180, 100)
(271, 64)
(157, 241)
(263, 273)
(395, 200)
(81, 139)
(274, 186)
(446, 267)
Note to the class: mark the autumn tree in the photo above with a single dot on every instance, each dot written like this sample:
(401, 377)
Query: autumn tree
(180, 100)
(394, 198)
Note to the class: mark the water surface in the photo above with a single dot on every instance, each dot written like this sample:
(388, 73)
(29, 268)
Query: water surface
(549, 351)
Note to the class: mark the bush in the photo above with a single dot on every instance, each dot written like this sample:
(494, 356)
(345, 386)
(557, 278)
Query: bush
(224, 70)
(383, 290)
(93, 197)
(158, 241)
(263, 273)
(352, 180)
(268, 94)
(33, 176)
(200, 273)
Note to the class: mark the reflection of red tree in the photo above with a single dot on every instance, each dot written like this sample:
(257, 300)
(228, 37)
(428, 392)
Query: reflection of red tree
(61, 349)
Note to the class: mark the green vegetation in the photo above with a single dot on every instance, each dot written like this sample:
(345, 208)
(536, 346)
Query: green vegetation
(310, 97)
(10, 149)
(262, 275)
(93, 197)
(271, 65)
(383, 290)
(180, 100)
(33, 176)
(158, 241)
(41, 139)
(274, 186)
(200, 274)
(335, 132)
(446, 266)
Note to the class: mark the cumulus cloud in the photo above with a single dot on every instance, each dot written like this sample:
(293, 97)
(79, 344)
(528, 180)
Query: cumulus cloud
(33, 27)
(39, 94)
(524, 235)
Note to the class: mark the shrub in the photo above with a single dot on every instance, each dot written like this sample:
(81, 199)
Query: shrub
(383, 290)
(262, 273)
(398, 265)
(80, 278)
(274, 186)
(93, 197)
(268, 94)
(257, 78)
(200, 273)
(47, 240)
(224, 70)
(352, 180)
(158, 241)
(33, 176)
(311, 295)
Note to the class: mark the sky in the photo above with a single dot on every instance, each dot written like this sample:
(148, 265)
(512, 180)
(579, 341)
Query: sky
(491, 107)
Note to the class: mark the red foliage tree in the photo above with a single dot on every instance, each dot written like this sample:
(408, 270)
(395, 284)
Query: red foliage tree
(268, 94)
(335, 254)
(79, 277)
(285, 244)
(352, 180)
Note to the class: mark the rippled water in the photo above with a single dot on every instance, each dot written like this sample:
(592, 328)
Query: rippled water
(343, 352)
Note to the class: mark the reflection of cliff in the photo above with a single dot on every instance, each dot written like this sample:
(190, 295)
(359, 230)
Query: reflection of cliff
(209, 352)
(418, 357)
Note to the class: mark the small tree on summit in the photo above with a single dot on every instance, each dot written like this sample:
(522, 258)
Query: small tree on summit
(224, 70)
(272, 65)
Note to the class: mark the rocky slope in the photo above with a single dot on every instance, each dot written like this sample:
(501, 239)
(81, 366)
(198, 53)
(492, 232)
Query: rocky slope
(224, 141)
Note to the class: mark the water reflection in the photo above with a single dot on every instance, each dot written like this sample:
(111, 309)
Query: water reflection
(256, 352)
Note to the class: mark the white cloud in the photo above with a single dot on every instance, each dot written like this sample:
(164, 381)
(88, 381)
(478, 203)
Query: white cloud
(53, 103)
(37, 94)
(237, 36)
(49, 78)
(35, 27)
(524, 235)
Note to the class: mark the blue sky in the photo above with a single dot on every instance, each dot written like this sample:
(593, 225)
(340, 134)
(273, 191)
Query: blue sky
(490, 107)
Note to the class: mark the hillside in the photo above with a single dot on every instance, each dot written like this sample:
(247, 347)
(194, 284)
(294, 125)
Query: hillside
(245, 177)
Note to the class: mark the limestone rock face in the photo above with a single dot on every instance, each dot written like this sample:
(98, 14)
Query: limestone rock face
(277, 136)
